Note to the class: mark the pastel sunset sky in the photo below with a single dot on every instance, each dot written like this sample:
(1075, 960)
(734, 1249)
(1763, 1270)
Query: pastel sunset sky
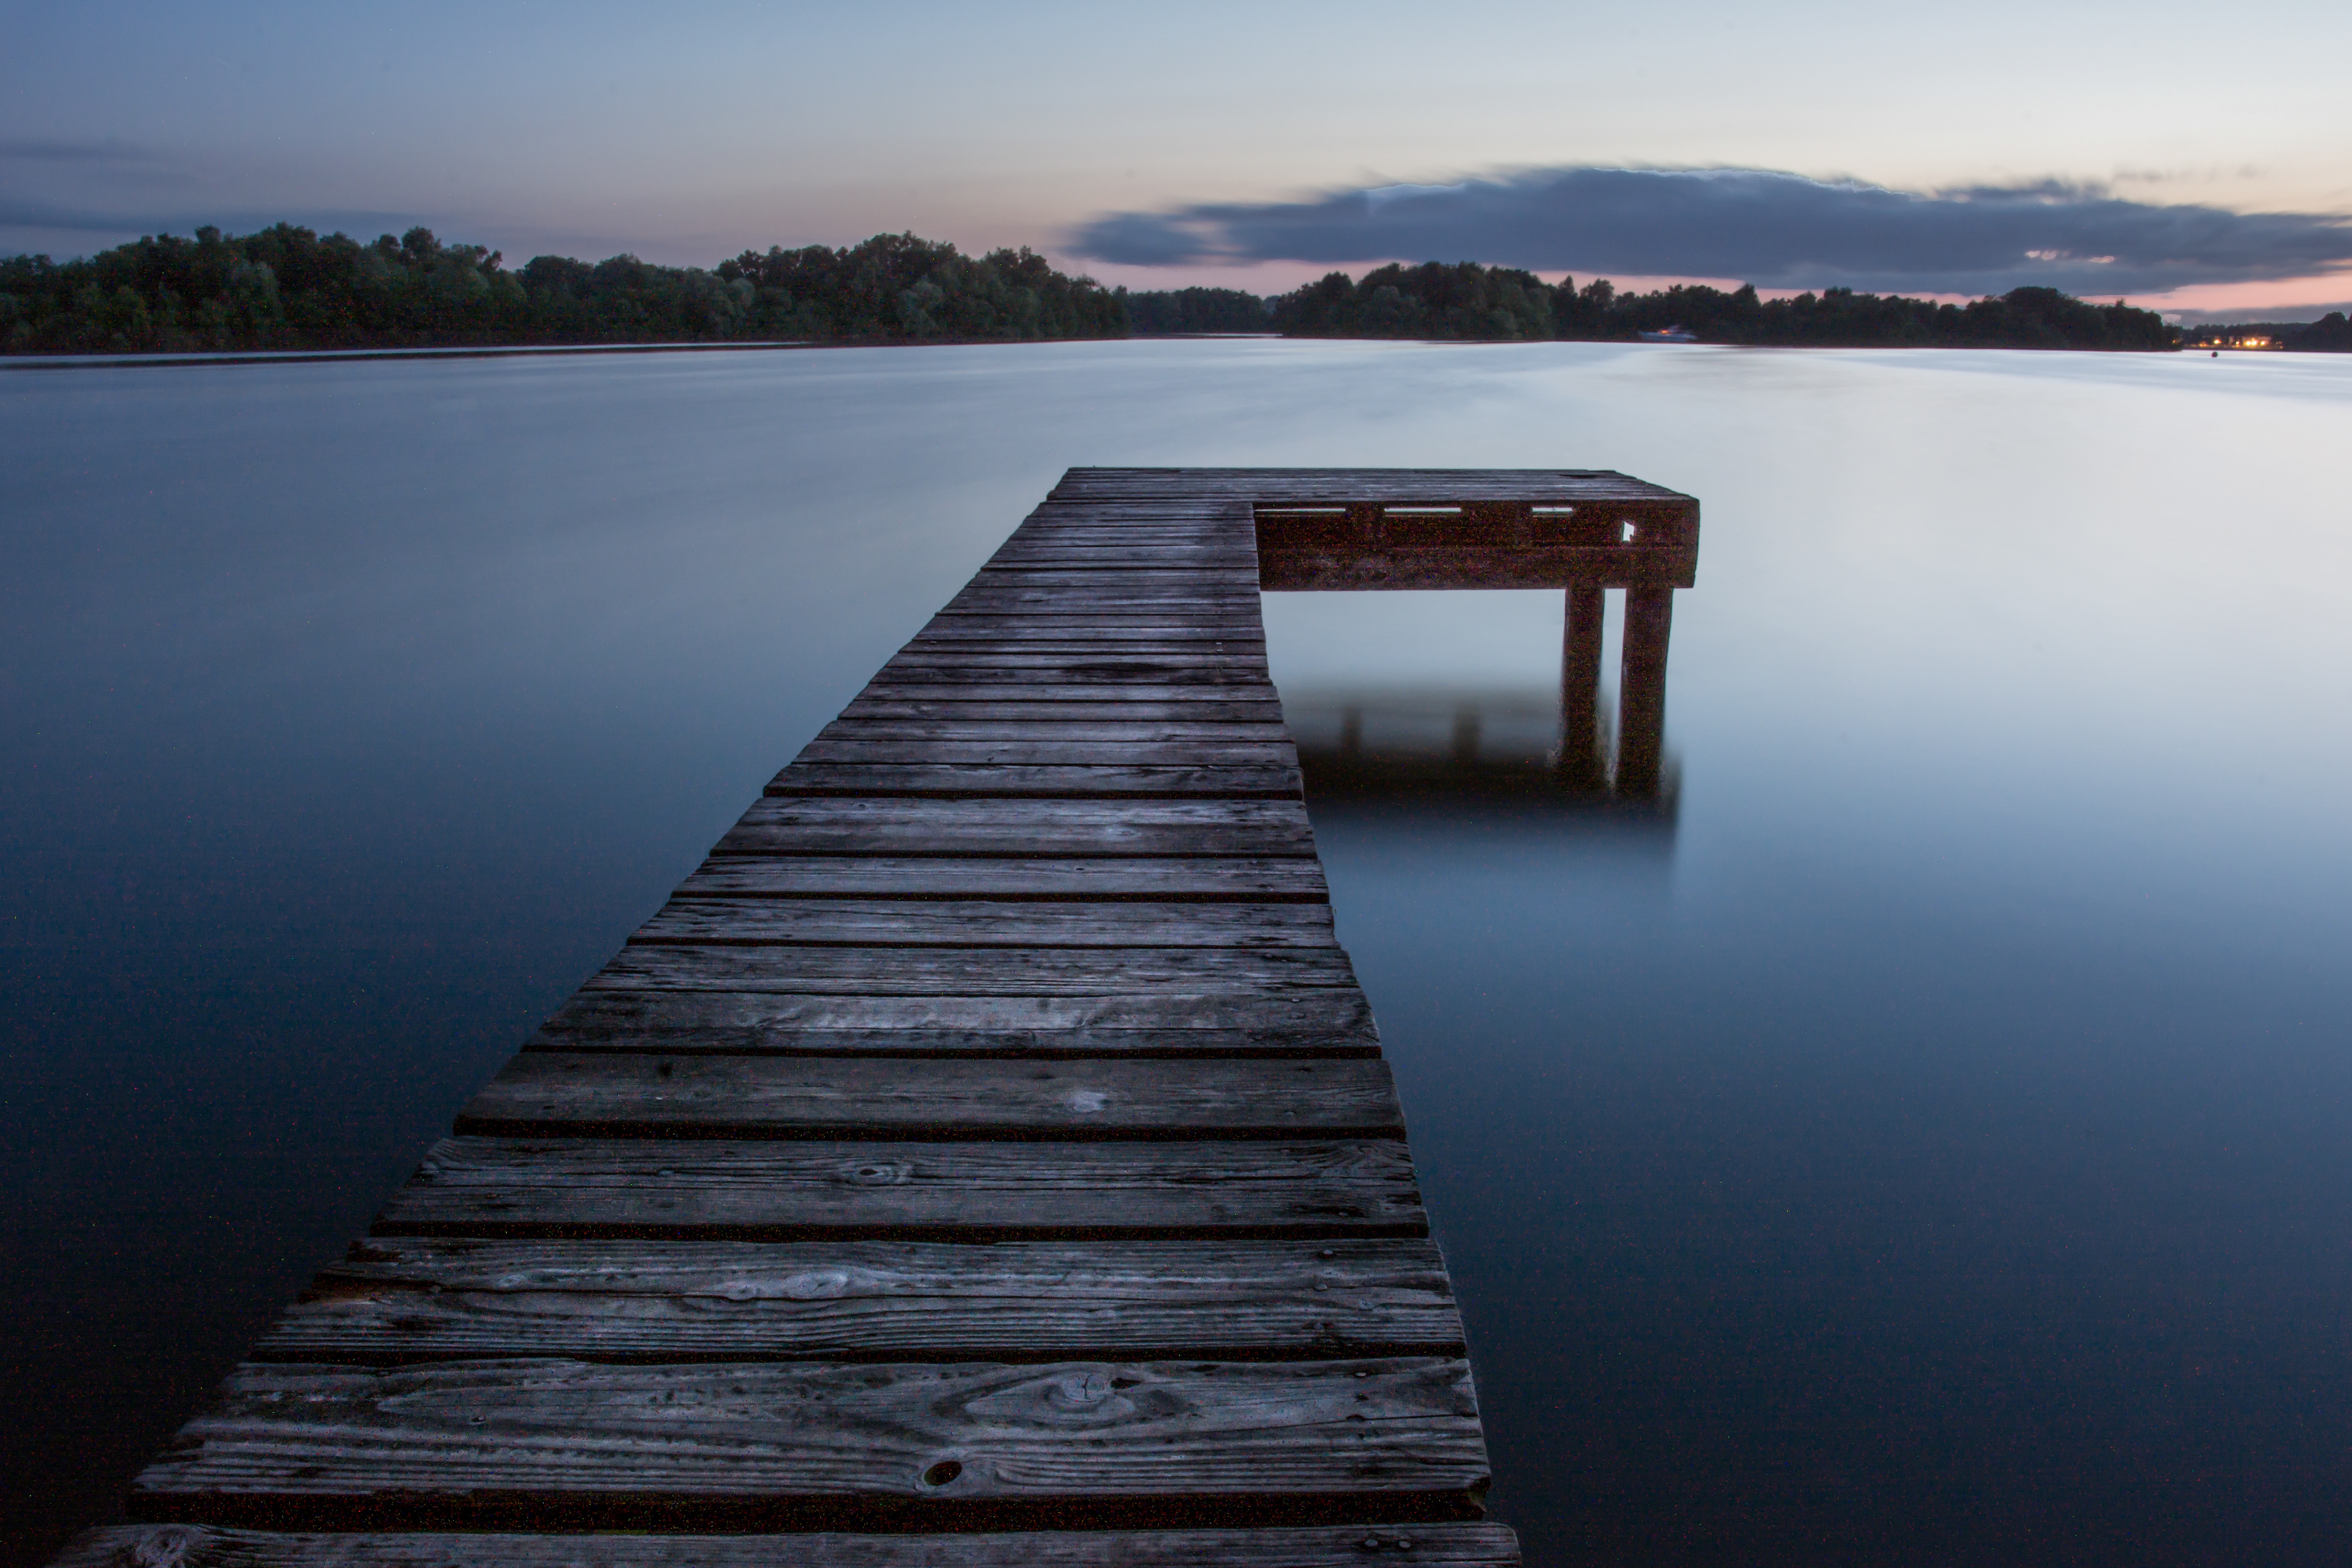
(2174, 155)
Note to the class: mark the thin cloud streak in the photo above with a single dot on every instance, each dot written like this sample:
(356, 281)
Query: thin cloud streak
(36, 150)
(1773, 229)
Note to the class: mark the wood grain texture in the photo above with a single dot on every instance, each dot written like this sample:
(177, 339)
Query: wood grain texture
(971, 923)
(897, 971)
(1255, 713)
(1115, 662)
(1295, 879)
(950, 781)
(1037, 750)
(751, 1017)
(1473, 1544)
(1067, 1444)
(1057, 729)
(401, 1300)
(722, 1023)
(600, 1094)
(1248, 624)
(1058, 669)
(790, 1191)
(896, 690)
(782, 825)
(1097, 602)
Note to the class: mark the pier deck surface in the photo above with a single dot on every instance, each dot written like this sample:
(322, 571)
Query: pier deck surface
(985, 1157)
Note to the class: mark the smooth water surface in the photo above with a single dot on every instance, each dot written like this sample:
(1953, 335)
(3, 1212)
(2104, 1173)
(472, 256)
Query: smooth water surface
(1923, 1141)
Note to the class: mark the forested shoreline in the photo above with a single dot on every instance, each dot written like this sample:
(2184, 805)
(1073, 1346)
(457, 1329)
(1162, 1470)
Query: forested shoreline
(1469, 301)
(287, 287)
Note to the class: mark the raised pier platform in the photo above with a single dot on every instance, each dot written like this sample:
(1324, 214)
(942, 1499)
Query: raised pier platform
(984, 1158)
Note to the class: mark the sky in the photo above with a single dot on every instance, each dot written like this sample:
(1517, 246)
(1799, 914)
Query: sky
(2180, 157)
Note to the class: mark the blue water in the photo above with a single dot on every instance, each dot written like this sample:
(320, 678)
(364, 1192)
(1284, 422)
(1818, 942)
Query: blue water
(1921, 1140)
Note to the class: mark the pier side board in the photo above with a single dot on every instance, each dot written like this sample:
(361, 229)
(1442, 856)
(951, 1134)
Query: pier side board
(984, 1158)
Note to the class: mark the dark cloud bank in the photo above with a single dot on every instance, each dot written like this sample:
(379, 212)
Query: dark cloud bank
(1775, 230)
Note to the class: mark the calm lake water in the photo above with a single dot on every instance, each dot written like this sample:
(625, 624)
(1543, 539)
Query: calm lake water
(1923, 1141)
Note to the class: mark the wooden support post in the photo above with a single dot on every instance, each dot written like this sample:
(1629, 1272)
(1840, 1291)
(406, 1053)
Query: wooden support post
(1641, 690)
(1582, 765)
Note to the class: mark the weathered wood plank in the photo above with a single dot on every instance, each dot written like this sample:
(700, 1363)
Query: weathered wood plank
(955, 781)
(604, 1095)
(1062, 1445)
(1473, 1544)
(1078, 589)
(1236, 878)
(1261, 731)
(752, 1015)
(945, 814)
(782, 825)
(1066, 670)
(1045, 641)
(898, 971)
(1144, 568)
(876, 835)
(1241, 625)
(790, 1191)
(974, 923)
(1251, 711)
(948, 637)
(1081, 553)
(998, 599)
(682, 1025)
(1065, 691)
(398, 1300)
(1241, 666)
(1235, 599)
(1037, 753)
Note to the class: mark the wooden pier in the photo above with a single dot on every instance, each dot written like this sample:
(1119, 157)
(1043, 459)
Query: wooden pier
(985, 1157)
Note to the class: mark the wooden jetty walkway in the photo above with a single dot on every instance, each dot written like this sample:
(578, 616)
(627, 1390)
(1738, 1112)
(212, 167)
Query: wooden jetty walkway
(985, 1157)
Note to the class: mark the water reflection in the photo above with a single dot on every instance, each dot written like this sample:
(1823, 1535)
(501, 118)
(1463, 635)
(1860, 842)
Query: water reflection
(1494, 751)
(1579, 757)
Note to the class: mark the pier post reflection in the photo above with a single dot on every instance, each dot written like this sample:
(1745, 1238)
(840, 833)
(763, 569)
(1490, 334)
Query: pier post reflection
(1583, 765)
(1641, 690)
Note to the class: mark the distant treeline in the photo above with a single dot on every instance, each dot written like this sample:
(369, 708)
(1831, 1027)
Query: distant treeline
(2331, 334)
(1161, 314)
(285, 287)
(1469, 301)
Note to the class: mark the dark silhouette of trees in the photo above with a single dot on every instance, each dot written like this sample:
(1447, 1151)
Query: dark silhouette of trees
(1162, 313)
(285, 287)
(1469, 301)
(1431, 302)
